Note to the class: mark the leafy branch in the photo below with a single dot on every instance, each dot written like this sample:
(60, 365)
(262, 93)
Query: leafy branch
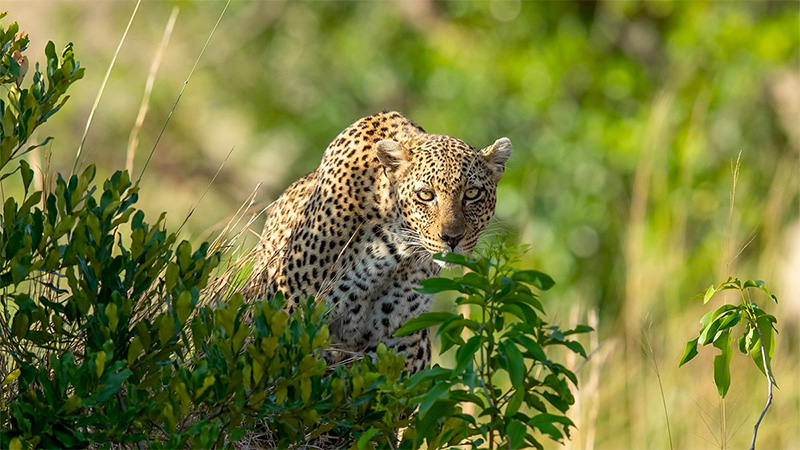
(757, 338)
(505, 344)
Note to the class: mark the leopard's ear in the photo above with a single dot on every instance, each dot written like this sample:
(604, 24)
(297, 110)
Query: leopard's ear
(392, 154)
(496, 156)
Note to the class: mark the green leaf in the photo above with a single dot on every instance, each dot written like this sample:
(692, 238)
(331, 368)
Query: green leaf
(166, 329)
(426, 425)
(465, 353)
(515, 402)
(742, 341)
(579, 329)
(476, 281)
(364, 439)
(27, 174)
(461, 260)
(305, 389)
(424, 321)
(184, 306)
(110, 383)
(709, 333)
(706, 319)
(764, 324)
(515, 364)
(709, 293)
(535, 278)
(12, 376)
(436, 285)
(208, 381)
(134, 350)
(544, 422)
(515, 433)
(722, 363)
(690, 352)
(21, 324)
(73, 403)
(112, 316)
(100, 363)
(439, 391)
(726, 322)
(531, 346)
(576, 347)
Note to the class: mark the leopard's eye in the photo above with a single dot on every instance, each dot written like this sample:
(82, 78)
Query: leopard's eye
(472, 193)
(425, 195)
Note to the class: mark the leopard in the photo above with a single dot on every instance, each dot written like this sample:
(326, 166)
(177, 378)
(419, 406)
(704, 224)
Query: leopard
(360, 231)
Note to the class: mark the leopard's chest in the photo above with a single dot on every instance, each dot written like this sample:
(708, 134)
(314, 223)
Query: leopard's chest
(377, 295)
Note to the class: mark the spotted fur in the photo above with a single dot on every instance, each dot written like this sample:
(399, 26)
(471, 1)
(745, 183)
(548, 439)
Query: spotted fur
(359, 231)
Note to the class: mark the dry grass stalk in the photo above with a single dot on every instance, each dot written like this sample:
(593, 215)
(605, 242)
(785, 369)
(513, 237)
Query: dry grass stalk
(637, 267)
(102, 88)
(183, 88)
(133, 140)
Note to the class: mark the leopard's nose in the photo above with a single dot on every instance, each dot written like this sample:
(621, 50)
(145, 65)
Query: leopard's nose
(452, 241)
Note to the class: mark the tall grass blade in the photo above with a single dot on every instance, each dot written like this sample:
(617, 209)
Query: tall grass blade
(103, 88)
(183, 88)
(133, 140)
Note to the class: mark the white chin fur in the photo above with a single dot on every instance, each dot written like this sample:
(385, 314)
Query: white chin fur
(441, 264)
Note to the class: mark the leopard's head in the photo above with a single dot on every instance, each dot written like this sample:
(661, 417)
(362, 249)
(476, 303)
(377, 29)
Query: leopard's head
(444, 189)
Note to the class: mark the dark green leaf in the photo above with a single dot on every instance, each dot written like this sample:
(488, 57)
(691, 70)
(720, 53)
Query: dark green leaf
(436, 285)
(515, 433)
(439, 391)
(515, 364)
(544, 422)
(534, 277)
(465, 353)
(515, 402)
(423, 321)
(579, 329)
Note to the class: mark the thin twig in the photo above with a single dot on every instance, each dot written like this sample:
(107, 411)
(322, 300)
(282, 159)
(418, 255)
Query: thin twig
(102, 88)
(133, 140)
(183, 88)
(769, 388)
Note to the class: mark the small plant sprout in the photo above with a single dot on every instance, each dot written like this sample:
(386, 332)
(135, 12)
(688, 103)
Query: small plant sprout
(757, 338)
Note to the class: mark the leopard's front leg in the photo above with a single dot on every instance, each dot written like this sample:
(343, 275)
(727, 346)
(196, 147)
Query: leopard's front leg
(398, 304)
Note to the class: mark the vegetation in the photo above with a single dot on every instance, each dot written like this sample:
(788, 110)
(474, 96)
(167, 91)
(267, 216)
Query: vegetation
(625, 117)
(103, 340)
(501, 363)
(757, 339)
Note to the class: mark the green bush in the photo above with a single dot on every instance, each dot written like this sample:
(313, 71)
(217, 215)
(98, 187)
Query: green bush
(103, 339)
(502, 366)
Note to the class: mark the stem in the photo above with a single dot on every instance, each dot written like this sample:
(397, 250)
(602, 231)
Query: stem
(666, 414)
(769, 388)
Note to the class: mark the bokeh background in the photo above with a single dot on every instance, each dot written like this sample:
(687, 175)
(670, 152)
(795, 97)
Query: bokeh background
(627, 118)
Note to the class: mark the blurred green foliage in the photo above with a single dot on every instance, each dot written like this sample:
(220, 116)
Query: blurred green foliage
(625, 117)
